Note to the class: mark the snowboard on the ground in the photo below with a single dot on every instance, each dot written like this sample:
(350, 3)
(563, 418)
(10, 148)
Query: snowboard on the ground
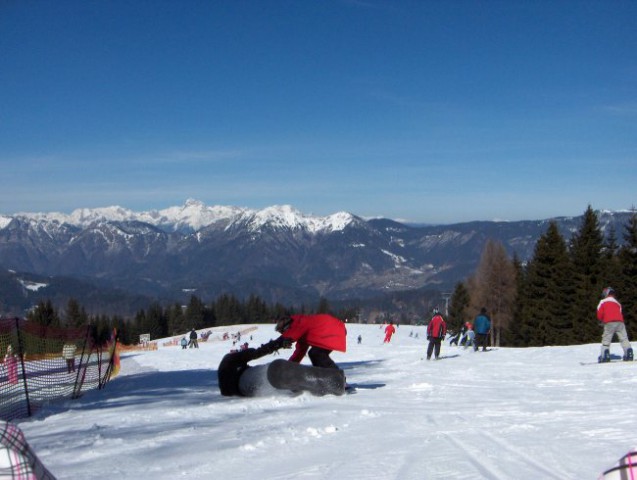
(352, 388)
(604, 363)
(613, 359)
(286, 375)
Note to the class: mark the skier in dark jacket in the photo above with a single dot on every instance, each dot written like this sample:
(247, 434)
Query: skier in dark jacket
(481, 326)
(436, 331)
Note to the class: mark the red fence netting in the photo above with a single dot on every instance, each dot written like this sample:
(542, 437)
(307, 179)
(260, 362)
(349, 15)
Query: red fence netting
(39, 364)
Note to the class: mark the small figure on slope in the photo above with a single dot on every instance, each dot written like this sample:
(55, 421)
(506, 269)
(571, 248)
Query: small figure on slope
(193, 339)
(468, 335)
(389, 331)
(436, 331)
(609, 313)
(481, 326)
(68, 353)
(11, 363)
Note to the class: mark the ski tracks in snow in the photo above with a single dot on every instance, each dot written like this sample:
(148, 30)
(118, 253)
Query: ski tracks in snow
(494, 458)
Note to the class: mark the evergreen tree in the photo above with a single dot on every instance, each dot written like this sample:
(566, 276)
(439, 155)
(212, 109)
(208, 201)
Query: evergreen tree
(156, 322)
(323, 306)
(588, 271)
(458, 307)
(545, 298)
(256, 310)
(520, 331)
(196, 313)
(123, 330)
(228, 310)
(75, 315)
(176, 319)
(626, 283)
(45, 314)
(612, 264)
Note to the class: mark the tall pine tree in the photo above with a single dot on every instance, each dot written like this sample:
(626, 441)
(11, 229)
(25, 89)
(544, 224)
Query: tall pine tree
(546, 297)
(588, 276)
(626, 284)
(459, 307)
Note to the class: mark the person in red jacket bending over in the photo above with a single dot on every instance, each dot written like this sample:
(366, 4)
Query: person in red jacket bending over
(436, 331)
(320, 334)
(609, 312)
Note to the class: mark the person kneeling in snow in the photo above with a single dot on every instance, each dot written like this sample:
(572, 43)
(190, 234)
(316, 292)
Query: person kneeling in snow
(237, 378)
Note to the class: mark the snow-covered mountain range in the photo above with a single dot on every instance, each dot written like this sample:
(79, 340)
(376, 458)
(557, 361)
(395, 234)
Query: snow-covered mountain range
(278, 253)
(195, 215)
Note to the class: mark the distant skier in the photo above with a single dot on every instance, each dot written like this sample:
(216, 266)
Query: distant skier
(481, 326)
(436, 331)
(609, 312)
(320, 334)
(389, 331)
(11, 363)
(468, 335)
(193, 339)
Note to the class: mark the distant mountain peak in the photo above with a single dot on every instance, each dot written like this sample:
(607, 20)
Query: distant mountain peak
(195, 215)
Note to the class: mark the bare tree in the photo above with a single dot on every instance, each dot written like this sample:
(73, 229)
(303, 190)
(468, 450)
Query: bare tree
(493, 286)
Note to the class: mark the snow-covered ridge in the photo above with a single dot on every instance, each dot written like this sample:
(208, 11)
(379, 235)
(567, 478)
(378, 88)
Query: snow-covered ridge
(195, 215)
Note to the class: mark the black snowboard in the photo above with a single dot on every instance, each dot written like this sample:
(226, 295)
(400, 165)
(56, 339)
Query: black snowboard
(286, 375)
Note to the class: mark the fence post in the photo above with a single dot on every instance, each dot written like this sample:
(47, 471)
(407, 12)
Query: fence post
(22, 366)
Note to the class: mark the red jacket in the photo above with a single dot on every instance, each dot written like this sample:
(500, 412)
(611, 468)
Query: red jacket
(390, 330)
(437, 328)
(609, 310)
(321, 330)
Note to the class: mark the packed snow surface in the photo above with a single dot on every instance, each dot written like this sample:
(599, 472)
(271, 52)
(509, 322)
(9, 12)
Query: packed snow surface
(532, 413)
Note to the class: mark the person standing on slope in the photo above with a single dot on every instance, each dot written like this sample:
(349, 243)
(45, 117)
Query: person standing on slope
(481, 327)
(436, 331)
(609, 312)
(389, 331)
(320, 334)
(193, 339)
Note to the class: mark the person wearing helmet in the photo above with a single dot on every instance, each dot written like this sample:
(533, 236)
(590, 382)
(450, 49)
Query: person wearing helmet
(436, 331)
(481, 326)
(609, 313)
(320, 334)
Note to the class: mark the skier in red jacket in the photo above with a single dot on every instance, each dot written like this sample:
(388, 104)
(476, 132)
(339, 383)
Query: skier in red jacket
(609, 312)
(389, 331)
(436, 331)
(322, 332)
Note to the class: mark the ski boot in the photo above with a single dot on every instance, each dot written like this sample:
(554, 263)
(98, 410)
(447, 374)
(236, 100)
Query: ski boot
(604, 357)
(628, 356)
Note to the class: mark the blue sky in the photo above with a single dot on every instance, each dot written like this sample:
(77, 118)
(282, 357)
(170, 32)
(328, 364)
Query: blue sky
(426, 111)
